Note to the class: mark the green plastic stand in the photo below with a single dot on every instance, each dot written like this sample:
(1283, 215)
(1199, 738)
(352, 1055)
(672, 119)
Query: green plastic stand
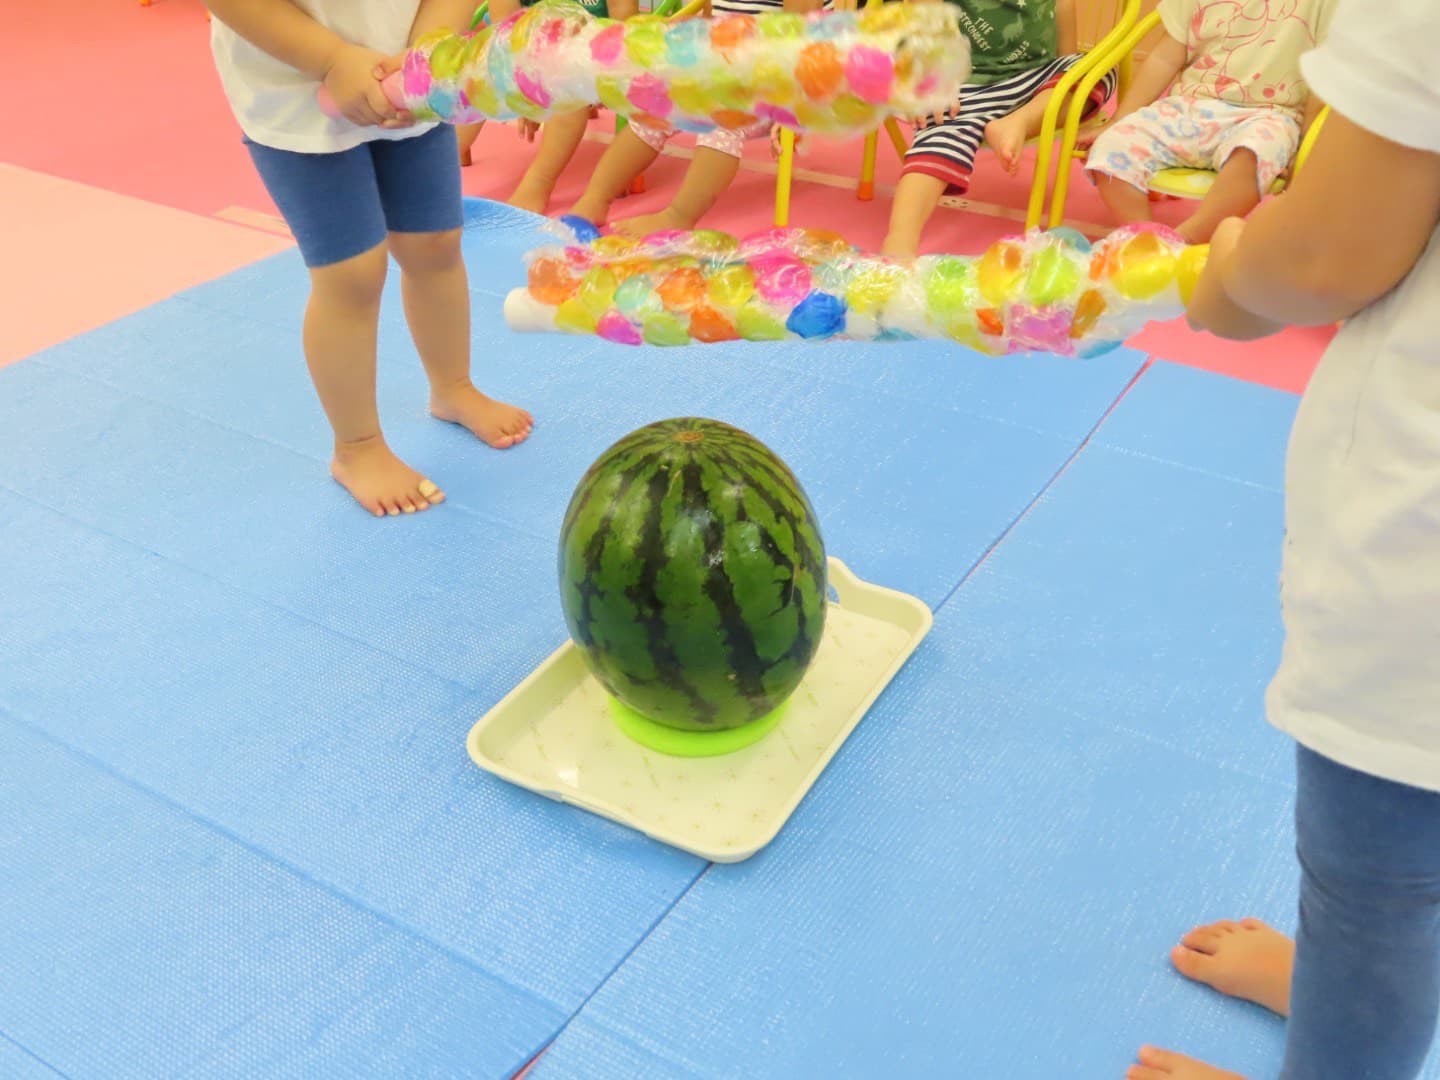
(692, 744)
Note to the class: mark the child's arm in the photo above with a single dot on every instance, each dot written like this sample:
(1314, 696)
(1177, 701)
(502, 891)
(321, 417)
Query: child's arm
(1156, 73)
(623, 9)
(1296, 261)
(454, 15)
(347, 70)
(1067, 28)
(500, 10)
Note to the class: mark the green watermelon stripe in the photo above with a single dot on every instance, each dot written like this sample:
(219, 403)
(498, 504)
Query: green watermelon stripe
(651, 556)
(745, 662)
(590, 556)
(783, 507)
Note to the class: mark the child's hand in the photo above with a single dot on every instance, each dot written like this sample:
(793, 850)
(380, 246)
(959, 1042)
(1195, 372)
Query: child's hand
(353, 80)
(952, 113)
(775, 130)
(1088, 133)
(1211, 308)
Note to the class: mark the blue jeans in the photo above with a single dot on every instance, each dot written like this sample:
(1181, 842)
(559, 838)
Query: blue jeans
(1366, 990)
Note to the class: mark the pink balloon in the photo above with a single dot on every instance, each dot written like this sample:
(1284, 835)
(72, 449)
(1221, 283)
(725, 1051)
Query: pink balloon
(871, 73)
(781, 278)
(615, 327)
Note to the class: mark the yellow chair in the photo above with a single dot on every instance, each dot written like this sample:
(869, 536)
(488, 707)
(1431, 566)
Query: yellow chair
(1126, 13)
(1178, 183)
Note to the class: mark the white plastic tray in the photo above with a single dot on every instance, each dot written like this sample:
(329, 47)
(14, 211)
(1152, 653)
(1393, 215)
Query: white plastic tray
(554, 734)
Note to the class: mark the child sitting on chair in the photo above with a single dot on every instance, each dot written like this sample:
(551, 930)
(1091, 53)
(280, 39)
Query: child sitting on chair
(711, 171)
(1019, 50)
(560, 136)
(1236, 103)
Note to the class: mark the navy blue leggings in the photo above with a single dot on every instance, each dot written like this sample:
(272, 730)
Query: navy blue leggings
(343, 204)
(1366, 990)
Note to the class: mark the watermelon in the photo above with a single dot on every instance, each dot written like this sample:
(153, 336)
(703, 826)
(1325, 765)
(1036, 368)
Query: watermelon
(692, 575)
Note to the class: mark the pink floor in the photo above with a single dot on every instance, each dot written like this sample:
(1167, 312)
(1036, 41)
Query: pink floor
(195, 208)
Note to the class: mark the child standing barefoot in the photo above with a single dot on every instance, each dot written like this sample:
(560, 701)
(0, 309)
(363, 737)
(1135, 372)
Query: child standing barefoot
(1019, 49)
(1359, 680)
(355, 191)
(1236, 103)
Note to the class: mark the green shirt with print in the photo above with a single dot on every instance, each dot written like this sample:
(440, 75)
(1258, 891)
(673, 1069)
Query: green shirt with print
(1007, 37)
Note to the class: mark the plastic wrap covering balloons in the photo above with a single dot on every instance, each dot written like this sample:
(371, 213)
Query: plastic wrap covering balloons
(1047, 291)
(831, 72)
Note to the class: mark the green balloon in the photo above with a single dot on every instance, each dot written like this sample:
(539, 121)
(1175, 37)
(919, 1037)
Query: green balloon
(756, 322)
(665, 329)
(1051, 278)
(947, 288)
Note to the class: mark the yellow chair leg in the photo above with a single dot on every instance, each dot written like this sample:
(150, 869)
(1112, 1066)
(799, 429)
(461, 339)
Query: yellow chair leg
(866, 191)
(784, 176)
(897, 137)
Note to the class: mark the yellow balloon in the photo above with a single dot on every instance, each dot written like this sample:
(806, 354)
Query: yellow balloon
(575, 317)
(1188, 270)
(732, 285)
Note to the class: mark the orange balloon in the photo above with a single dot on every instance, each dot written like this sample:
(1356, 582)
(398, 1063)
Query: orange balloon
(819, 71)
(628, 268)
(709, 325)
(1088, 309)
(731, 30)
(682, 289)
(734, 119)
(551, 281)
(990, 322)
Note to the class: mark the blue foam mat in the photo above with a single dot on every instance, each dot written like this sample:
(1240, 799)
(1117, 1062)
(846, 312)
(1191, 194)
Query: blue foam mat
(140, 942)
(1072, 772)
(193, 615)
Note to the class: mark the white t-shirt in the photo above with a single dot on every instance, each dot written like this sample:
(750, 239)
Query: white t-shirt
(1360, 678)
(276, 105)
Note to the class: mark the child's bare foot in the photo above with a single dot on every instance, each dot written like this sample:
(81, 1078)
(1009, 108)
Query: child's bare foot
(592, 210)
(532, 195)
(493, 422)
(1163, 1065)
(900, 249)
(380, 481)
(1245, 959)
(1006, 137)
(646, 224)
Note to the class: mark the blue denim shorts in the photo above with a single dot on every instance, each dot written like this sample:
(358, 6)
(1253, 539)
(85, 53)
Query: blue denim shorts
(343, 204)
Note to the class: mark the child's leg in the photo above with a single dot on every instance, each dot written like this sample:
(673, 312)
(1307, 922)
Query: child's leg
(1367, 963)
(1361, 985)
(419, 187)
(713, 169)
(333, 206)
(1256, 148)
(1234, 194)
(1126, 156)
(633, 151)
(1006, 135)
(941, 158)
(559, 138)
(466, 135)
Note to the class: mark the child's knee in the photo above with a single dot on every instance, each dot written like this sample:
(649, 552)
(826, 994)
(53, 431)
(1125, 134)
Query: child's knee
(358, 281)
(426, 253)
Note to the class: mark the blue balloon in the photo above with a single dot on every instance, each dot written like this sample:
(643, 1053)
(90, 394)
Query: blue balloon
(686, 41)
(1078, 240)
(585, 231)
(819, 315)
